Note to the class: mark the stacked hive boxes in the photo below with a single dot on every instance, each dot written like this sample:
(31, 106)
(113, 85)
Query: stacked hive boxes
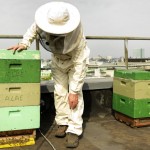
(19, 90)
(131, 93)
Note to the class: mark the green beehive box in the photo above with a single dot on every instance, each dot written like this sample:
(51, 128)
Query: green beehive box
(19, 118)
(131, 107)
(132, 74)
(21, 67)
(19, 94)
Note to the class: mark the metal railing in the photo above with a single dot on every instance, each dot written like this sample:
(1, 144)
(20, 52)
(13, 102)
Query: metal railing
(19, 37)
(125, 39)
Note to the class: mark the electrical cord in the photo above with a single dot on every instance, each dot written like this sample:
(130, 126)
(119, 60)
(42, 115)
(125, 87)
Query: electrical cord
(47, 140)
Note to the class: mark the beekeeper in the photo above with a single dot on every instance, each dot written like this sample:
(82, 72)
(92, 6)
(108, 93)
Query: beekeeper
(58, 26)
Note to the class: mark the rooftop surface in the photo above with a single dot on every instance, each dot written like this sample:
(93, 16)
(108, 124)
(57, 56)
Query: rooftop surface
(100, 133)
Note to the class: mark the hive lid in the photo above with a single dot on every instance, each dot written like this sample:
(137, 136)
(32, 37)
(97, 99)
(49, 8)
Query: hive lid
(25, 54)
(132, 74)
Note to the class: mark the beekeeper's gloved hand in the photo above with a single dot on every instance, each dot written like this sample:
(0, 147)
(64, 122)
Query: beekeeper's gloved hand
(18, 48)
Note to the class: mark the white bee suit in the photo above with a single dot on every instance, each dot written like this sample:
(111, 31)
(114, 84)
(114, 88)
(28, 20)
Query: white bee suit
(69, 63)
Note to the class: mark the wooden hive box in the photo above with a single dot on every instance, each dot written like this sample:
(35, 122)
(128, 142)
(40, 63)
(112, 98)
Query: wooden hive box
(19, 118)
(22, 67)
(19, 94)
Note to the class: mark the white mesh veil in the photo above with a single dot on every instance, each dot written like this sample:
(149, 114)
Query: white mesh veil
(61, 44)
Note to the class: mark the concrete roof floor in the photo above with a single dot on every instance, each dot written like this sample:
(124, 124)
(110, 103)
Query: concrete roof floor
(102, 132)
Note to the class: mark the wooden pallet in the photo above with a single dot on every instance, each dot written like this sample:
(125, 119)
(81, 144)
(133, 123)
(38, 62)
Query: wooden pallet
(133, 122)
(17, 138)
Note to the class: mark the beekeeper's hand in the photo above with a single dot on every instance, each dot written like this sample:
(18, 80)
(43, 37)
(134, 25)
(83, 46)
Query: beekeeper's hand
(18, 48)
(73, 100)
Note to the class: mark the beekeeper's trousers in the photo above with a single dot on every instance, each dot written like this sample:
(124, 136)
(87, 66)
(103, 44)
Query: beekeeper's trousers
(62, 72)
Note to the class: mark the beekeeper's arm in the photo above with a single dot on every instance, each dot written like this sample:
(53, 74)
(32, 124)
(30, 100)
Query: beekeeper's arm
(81, 60)
(27, 40)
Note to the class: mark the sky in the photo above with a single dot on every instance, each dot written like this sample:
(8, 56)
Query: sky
(98, 17)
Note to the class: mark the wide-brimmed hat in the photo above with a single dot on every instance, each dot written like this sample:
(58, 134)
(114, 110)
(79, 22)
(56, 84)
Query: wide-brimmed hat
(57, 17)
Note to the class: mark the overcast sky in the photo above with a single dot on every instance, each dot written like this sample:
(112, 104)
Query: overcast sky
(99, 17)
